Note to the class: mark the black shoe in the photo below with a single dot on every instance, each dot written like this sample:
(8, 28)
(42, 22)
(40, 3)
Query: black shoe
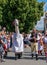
(32, 56)
(5, 55)
(36, 56)
(16, 56)
(19, 56)
(41, 53)
(29, 45)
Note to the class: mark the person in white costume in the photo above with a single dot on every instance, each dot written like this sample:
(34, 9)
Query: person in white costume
(17, 41)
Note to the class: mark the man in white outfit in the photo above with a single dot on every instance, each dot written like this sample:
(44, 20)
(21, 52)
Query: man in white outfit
(17, 41)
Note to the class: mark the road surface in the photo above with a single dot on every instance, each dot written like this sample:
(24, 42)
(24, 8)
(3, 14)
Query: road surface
(25, 60)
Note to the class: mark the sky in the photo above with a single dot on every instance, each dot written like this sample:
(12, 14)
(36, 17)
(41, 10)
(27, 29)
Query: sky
(42, 0)
(45, 6)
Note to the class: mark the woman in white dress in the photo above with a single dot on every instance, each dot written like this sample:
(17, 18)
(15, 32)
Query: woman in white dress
(17, 41)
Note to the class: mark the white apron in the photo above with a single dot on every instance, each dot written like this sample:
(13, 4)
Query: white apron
(17, 43)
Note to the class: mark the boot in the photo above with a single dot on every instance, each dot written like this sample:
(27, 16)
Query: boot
(36, 56)
(19, 56)
(32, 56)
(16, 56)
(5, 55)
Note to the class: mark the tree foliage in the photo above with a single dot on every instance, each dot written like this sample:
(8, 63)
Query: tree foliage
(27, 11)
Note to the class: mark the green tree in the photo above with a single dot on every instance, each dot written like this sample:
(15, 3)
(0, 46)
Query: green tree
(27, 11)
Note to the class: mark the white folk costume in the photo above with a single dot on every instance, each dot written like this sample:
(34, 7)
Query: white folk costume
(17, 41)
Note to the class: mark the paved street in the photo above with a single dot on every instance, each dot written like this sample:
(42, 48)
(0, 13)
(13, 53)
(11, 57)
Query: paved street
(26, 59)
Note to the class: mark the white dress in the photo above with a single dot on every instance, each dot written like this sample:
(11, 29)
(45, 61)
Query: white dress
(17, 41)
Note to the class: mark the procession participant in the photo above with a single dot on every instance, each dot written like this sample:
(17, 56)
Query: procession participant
(10, 39)
(34, 43)
(1, 50)
(40, 43)
(4, 39)
(45, 44)
(26, 41)
(34, 48)
(17, 41)
(8, 42)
